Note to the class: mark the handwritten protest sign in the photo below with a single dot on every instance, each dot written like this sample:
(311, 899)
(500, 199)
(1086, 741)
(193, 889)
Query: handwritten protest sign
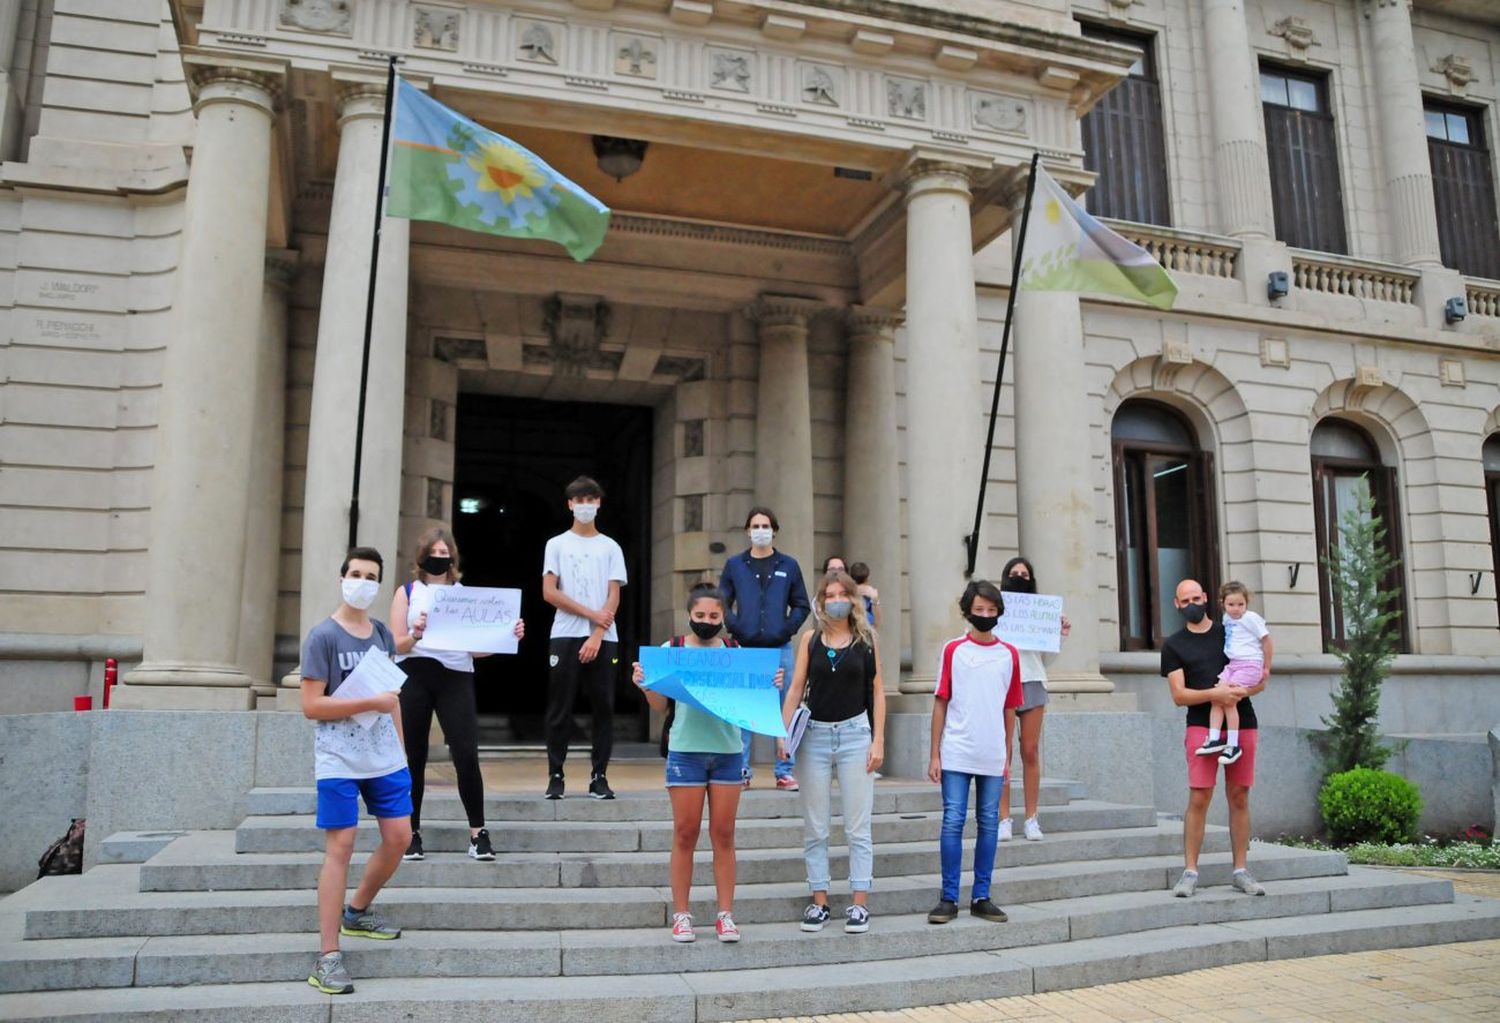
(1032, 621)
(474, 619)
(736, 684)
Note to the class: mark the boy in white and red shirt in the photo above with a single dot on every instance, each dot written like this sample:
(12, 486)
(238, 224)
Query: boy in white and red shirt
(973, 720)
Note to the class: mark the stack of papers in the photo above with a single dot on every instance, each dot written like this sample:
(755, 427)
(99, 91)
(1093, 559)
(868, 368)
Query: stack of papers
(375, 673)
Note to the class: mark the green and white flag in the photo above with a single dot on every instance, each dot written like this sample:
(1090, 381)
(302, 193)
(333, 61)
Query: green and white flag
(1067, 249)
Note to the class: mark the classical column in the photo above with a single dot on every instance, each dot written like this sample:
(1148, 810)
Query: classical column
(1054, 475)
(783, 424)
(201, 483)
(336, 366)
(1403, 134)
(263, 529)
(944, 407)
(1243, 173)
(872, 470)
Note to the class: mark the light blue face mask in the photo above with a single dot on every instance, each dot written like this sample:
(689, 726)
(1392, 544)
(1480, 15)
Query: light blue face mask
(838, 609)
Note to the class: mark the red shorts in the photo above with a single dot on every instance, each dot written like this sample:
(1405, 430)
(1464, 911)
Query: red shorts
(1203, 772)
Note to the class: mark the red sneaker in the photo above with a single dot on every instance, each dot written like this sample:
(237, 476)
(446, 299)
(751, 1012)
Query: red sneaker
(726, 929)
(787, 784)
(682, 927)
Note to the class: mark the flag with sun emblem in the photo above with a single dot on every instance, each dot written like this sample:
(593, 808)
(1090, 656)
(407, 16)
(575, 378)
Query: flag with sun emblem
(1066, 249)
(447, 168)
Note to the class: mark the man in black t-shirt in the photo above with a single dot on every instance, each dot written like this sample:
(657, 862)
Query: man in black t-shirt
(1191, 661)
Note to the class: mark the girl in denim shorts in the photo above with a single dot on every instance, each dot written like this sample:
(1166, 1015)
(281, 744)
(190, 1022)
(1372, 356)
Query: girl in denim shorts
(704, 758)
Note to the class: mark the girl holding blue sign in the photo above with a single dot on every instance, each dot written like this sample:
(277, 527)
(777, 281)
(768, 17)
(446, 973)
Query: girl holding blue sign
(704, 758)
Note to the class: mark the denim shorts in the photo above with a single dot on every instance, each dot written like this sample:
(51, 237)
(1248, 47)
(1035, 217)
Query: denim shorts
(385, 797)
(699, 769)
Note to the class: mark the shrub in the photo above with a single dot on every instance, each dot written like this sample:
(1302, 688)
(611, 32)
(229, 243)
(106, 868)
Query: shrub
(1364, 805)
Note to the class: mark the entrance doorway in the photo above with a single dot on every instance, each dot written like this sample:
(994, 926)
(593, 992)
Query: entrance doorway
(514, 457)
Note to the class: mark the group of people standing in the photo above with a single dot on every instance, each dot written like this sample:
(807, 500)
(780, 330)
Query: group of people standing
(833, 669)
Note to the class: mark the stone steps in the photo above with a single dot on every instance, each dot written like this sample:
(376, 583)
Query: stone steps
(106, 901)
(253, 958)
(207, 861)
(444, 804)
(298, 833)
(733, 992)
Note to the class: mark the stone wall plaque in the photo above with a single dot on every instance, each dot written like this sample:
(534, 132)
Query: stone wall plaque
(335, 17)
(62, 290)
(821, 86)
(1005, 115)
(906, 98)
(636, 55)
(538, 41)
(729, 70)
(435, 28)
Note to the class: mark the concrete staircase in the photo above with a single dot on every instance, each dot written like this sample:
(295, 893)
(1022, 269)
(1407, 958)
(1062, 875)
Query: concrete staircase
(570, 922)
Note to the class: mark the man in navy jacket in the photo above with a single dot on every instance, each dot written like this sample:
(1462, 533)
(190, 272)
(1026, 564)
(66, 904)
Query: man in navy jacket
(765, 603)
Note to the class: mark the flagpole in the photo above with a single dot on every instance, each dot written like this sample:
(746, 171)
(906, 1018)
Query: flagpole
(364, 365)
(972, 540)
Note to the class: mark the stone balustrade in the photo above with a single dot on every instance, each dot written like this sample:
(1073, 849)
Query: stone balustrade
(1356, 278)
(1483, 297)
(1184, 251)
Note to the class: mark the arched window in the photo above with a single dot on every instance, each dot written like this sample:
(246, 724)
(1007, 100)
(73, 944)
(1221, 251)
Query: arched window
(1492, 494)
(1164, 518)
(1343, 455)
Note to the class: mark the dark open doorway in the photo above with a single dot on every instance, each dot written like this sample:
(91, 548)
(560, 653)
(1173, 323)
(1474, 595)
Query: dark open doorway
(515, 456)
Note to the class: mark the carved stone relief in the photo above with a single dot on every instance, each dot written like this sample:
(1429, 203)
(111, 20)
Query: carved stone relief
(997, 113)
(335, 17)
(819, 86)
(1457, 69)
(729, 71)
(435, 28)
(906, 97)
(1297, 33)
(577, 325)
(636, 56)
(537, 42)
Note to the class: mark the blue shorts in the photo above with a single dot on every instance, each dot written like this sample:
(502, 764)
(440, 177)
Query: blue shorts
(385, 797)
(700, 769)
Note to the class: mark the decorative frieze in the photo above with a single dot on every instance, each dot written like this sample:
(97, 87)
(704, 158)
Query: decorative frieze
(730, 70)
(906, 98)
(1005, 115)
(821, 86)
(636, 55)
(539, 42)
(435, 28)
(334, 17)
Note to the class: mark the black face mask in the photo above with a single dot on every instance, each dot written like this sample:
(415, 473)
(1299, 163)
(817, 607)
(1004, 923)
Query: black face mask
(983, 623)
(705, 630)
(1018, 584)
(434, 565)
(1195, 613)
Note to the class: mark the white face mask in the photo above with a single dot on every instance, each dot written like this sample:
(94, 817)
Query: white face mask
(761, 536)
(585, 512)
(359, 593)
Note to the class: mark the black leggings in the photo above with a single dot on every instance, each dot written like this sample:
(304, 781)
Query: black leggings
(431, 687)
(597, 679)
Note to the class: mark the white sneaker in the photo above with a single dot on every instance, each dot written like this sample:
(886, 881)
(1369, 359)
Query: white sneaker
(1005, 829)
(1033, 830)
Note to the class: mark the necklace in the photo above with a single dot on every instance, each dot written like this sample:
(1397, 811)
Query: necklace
(836, 656)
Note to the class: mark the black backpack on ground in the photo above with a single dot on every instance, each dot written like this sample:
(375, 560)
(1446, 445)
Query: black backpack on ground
(65, 856)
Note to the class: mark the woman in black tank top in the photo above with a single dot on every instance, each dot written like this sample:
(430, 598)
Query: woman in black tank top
(838, 677)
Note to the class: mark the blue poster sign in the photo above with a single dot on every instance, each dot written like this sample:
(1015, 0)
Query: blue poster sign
(736, 684)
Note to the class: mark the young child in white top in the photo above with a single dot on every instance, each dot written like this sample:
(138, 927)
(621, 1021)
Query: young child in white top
(1247, 644)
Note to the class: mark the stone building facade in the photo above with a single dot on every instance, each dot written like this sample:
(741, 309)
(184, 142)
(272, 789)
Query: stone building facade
(800, 303)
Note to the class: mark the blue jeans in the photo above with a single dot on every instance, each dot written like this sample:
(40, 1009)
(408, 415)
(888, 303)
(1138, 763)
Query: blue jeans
(783, 767)
(951, 843)
(841, 747)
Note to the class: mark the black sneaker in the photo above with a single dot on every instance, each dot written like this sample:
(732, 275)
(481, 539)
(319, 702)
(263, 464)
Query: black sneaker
(480, 848)
(414, 851)
(1210, 747)
(1230, 755)
(555, 787)
(856, 920)
(599, 788)
(944, 912)
(987, 910)
(814, 917)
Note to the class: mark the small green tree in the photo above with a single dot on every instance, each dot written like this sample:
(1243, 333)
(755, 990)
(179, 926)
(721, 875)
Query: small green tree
(1359, 571)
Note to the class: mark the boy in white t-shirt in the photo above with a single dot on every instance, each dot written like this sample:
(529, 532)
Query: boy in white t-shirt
(582, 572)
(973, 721)
(1247, 644)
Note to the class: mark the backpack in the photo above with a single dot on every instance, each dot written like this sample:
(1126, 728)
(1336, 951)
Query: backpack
(666, 722)
(65, 856)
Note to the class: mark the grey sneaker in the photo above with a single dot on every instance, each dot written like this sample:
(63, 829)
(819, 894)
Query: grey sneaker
(1186, 885)
(368, 924)
(1242, 881)
(330, 977)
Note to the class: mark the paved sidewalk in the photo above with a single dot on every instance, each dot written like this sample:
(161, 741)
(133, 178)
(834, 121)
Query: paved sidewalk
(1435, 982)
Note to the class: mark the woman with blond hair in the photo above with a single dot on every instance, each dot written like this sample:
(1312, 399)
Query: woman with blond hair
(440, 681)
(837, 675)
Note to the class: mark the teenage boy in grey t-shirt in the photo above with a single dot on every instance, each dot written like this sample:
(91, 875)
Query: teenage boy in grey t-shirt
(351, 761)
